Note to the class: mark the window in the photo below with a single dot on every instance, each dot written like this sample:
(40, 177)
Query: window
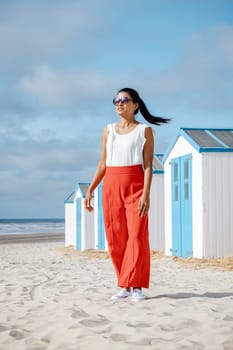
(186, 191)
(186, 169)
(176, 197)
(175, 172)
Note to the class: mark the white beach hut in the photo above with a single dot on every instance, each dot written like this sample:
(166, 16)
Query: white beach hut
(156, 213)
(198, 181)
(79, 223)
(70, 218)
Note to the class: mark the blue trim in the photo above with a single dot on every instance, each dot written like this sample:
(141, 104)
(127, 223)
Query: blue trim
(68, 199)
(158, 171)
(101, 233)
(216, 149)
(216, 138)
(78, 187)
(78, 224)
(158, 154)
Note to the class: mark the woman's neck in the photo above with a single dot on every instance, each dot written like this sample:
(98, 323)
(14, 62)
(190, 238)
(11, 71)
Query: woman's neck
(125, 123)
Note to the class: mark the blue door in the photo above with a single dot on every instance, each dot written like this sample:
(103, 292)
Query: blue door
(78, 224)
(101, 232)
(181, 169)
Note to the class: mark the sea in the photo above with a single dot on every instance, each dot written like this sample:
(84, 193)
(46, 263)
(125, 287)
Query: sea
(30, 226)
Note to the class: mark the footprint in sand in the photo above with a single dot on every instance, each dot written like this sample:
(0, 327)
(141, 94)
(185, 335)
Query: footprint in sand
(138, 325)
(228, 318)
(3, 328)
(95, 322)
(227, 345)
(79, 313)
(185, 324)
(16, 334)
(143, 341)
(118, 337)
(35, 344)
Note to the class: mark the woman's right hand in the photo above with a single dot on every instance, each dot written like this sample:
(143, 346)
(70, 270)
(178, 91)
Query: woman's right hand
(87, 201)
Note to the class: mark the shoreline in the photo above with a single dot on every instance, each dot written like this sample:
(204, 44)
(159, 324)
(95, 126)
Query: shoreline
(32, 237)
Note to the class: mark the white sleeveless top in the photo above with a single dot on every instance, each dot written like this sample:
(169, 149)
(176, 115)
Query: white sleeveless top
(125, 149)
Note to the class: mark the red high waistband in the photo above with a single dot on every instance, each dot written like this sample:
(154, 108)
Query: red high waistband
(127, 170)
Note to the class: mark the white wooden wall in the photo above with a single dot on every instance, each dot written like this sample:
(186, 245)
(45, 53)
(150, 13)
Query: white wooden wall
(87, 224)
(70, 238)
(218, 204)
(156, 213)
(88, 229)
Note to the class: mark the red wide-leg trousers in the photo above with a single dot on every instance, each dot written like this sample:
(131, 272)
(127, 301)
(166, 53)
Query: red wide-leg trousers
(127, 233)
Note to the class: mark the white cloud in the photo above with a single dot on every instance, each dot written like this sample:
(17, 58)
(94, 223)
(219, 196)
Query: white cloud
(37, 175)
(52, 155)
(56, 87)
(32, 31)
(202, 78)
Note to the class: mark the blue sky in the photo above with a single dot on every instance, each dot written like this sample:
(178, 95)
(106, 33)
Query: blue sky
(61, 64)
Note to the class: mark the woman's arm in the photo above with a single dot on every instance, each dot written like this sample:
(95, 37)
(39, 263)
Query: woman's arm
(99, 173)
(148, 152)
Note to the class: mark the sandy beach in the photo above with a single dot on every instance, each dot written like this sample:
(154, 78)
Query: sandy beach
(54, 298)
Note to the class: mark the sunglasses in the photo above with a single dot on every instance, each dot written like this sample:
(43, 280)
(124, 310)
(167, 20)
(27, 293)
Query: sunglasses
(122, 101)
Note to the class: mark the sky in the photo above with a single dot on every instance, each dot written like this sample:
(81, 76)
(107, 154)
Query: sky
(61, 64)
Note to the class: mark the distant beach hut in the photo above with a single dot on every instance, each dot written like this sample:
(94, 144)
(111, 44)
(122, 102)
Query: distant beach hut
(198, 180)
(156, 213)
(70, 218)
(79, 223)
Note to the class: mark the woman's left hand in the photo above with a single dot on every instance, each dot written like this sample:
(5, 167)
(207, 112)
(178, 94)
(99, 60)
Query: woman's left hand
(143, 206)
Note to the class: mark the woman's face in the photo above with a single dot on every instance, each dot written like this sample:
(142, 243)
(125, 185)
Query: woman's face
(124, 104)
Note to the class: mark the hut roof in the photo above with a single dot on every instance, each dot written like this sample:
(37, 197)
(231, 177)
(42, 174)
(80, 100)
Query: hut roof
(83, 187)
(206, 139)
(158, 163)
(70, 198)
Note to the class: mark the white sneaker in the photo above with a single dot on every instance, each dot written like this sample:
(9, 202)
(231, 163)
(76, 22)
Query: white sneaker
(137, 295)
(121, 295)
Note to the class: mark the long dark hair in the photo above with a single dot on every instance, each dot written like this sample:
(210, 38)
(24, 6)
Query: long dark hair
(143, 109)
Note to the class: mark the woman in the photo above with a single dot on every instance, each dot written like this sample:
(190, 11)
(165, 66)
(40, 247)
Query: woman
(126, 166)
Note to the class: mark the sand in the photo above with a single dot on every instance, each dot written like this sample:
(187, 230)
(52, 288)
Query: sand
(54, 298)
